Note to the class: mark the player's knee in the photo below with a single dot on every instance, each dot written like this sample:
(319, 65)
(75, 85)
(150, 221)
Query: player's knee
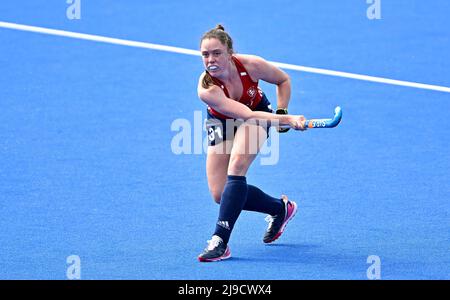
(238, 165)
(216, 195)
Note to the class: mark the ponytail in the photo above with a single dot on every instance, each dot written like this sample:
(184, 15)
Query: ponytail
(207, 81)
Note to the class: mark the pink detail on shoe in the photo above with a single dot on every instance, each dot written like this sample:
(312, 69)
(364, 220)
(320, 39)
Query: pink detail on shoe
(291, 211)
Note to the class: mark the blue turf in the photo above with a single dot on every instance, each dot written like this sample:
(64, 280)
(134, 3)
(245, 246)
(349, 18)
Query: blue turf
(85, 134)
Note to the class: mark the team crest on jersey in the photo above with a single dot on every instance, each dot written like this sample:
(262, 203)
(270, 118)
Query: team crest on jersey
(251, 92)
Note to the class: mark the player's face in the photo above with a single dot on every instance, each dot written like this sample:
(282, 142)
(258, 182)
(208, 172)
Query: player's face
(215, 56)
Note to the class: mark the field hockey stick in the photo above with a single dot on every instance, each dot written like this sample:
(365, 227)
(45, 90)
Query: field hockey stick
(323, 123)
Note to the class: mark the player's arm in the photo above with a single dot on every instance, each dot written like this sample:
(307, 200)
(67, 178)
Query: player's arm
(259, 68)
(216, 99)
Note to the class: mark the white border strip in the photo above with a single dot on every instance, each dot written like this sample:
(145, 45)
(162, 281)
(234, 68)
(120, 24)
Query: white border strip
(129, 43)
(365, 77)
(97, 38)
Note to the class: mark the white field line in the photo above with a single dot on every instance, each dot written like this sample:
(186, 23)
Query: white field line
(151, 46)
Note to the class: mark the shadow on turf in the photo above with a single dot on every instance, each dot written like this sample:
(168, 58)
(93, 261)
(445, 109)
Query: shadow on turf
(308, 254)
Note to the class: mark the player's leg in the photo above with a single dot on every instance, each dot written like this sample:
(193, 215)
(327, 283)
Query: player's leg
(234, 195)
(234, 192)
(217, 160)
(218, 156)
(280, 211)
(247, 142)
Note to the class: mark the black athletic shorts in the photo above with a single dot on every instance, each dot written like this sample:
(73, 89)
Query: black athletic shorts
(216, 128)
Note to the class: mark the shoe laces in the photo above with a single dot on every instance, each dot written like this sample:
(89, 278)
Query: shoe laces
(214, 242)
(270, 220)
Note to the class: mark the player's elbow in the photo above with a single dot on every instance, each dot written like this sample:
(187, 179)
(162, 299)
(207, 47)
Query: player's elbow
(284, 79)
(202, 94)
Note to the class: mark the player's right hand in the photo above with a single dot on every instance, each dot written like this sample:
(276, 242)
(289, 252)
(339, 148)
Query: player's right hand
(298, 123)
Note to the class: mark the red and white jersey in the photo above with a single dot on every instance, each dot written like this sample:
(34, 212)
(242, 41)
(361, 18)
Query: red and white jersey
(251, 93)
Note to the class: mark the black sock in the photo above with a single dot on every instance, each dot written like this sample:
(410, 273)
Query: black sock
(233, 199)
(259, 201)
